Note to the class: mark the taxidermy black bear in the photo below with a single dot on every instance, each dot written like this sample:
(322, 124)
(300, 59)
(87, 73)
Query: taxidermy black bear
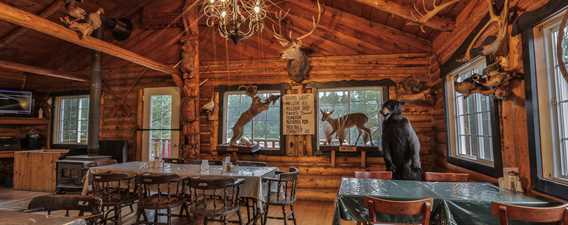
(400, 143)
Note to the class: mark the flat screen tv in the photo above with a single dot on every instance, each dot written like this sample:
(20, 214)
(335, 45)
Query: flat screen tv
(15, 103)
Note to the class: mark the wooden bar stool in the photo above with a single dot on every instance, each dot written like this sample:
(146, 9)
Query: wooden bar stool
(383, 175)
(506, 212)
(446, 177)
(399, 208)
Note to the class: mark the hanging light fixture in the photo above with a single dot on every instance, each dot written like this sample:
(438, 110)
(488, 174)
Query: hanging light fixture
(236, 19)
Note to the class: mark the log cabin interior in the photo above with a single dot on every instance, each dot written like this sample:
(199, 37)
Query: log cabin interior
(283, 111)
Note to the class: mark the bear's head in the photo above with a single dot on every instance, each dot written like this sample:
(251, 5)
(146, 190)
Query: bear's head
(391, 107)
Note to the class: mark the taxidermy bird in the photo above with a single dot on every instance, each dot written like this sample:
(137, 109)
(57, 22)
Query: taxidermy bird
(74, 10)
(93, 23)
(209, 106)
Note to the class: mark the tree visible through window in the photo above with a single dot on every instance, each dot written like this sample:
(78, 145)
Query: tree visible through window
(472, 115)
(160, 126)
(341, 101)
(559, 87)
(264, 129)
(71, 120)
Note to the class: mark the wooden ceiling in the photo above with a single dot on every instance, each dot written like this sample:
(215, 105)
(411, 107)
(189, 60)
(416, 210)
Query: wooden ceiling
(348, 27)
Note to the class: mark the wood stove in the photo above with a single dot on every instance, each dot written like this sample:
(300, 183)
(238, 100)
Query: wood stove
(72, 169)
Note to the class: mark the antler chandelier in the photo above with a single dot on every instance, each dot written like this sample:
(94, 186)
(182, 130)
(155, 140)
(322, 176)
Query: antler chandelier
(236, 19)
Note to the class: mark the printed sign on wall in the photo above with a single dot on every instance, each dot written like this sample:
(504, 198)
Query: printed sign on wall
(299, 114)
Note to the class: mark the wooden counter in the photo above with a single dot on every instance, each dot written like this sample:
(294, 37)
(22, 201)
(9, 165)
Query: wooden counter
(6, 154)
(36, 170)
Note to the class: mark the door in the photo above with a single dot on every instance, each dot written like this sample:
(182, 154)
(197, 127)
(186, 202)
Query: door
(161, 123)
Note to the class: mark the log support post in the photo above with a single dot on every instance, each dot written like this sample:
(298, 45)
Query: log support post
(190, 85)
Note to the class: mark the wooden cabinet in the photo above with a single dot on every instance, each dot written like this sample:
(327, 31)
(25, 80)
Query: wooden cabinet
(36, 170)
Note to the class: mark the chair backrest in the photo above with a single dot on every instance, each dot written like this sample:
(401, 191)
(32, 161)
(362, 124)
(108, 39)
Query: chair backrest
(80, 203)
(174, 160)
(211, 162)
(557, 214)
(282, 188)
(399, 208)
(160, 186)
(110, 187)
(251, 163)
(446, 177)
(226, 190)
(383, 175)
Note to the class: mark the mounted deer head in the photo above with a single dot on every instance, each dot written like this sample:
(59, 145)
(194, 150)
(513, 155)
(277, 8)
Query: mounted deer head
(422, 16)
(298, 62)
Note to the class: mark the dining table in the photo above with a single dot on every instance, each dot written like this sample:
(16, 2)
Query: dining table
(455, 203)
(252, 186)
(22, 218)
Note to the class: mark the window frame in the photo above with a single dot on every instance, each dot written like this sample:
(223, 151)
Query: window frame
(222, 90)
(494, 169)
(533, 70)
(385, 84)
(52, 129)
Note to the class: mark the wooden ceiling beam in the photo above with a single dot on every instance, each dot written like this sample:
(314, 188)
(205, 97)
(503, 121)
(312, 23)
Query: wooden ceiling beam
(17, 32)
(42, 25)
(38, 71)
(392, 7)
(378, 30)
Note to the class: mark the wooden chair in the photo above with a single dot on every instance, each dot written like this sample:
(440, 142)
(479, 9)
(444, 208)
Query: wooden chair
(158, 192)
(79, 203)
(174, 160)
(251, 163)
(446, 177)
(383, 175)
(399, 208)
(116, 191)
(214, 198)
(548, 215)
(282, 192)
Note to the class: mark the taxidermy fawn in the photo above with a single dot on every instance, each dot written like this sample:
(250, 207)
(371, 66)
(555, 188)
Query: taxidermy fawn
(339, 125)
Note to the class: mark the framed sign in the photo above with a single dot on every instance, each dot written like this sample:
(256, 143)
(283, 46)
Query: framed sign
(299, 114)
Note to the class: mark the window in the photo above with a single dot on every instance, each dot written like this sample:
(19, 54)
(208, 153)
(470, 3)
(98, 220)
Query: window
(342, 101)
(71, 120)
(553, 105)
(263, 130)
(472, 128)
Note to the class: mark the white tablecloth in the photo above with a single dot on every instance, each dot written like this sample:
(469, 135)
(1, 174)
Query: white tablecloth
(252, 186)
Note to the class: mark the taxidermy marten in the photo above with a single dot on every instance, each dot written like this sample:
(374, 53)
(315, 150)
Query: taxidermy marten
(400, 143)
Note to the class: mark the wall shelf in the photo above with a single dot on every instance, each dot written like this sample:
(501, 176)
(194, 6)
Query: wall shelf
(23, 121)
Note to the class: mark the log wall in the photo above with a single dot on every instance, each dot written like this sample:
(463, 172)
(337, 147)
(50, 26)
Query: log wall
(512, 112)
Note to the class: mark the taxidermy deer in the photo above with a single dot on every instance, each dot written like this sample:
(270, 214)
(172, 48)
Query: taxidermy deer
(560, 49)
(497, 77)
(298, 61)
(339, 125)
(422, 16)
(256, 107)
(93, 23)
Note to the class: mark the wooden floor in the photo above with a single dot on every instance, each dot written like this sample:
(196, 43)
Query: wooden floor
(308, 212)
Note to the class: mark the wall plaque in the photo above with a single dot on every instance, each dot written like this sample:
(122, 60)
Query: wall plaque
(299, 114)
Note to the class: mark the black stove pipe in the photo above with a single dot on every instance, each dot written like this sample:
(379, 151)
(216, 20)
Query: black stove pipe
(95, 99)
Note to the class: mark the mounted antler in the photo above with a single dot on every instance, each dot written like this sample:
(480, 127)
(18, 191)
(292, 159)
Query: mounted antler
(560, 49)
(492, 45)
(422, 16)
(298, 63)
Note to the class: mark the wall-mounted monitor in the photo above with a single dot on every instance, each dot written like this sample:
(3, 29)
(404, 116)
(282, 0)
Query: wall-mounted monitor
(15, 102)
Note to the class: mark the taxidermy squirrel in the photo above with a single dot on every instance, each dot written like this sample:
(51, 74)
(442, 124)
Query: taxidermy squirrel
(85, 29)
(400, 143)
